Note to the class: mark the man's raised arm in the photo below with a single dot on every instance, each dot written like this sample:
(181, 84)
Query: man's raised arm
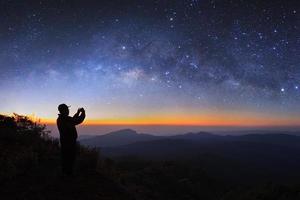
(79, 116)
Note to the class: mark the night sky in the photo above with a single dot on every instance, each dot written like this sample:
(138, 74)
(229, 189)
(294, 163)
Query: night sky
(189, 62)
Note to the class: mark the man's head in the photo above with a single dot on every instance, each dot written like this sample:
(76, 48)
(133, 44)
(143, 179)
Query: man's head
(63, 109)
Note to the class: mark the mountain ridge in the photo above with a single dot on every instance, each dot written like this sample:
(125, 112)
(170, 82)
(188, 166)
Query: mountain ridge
(129, 136)
(116, 138)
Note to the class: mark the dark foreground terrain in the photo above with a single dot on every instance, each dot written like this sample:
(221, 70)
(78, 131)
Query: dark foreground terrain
(147, 167)
(30, 167)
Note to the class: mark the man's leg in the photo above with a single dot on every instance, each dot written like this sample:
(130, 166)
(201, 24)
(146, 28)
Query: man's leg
(67, 158)
(64, 159)
(72, 157)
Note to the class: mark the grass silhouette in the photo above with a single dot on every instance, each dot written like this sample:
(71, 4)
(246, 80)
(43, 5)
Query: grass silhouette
(30, 166)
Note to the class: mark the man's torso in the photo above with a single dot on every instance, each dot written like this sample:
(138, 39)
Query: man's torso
(67, 129)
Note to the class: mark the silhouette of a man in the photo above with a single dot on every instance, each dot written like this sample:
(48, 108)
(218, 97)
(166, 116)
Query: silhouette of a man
(68, 136)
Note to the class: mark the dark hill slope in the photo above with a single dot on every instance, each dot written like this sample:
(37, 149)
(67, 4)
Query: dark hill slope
(30, 167)
(264, 154)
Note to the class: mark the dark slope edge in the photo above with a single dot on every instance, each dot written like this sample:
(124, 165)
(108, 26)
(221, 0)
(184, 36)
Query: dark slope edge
(30, 167)
(275, 156)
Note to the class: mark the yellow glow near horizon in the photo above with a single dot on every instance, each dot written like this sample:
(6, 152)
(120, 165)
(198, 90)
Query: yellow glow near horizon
(183, 119)
(189, 121)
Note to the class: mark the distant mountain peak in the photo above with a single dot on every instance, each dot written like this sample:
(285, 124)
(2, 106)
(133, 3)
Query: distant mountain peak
(123, 132)
(192, 135)
(120, 137)
(202, 133)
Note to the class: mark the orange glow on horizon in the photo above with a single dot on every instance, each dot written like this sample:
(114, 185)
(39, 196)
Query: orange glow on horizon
(206, 119)
(190, 121)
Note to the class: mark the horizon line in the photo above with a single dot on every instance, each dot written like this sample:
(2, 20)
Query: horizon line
(262, 125)
(178, 121)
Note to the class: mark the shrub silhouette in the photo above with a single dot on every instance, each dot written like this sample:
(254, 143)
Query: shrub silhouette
(30, 166)
(24, 146)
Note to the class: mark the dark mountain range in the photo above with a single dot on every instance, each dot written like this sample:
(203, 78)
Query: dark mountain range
(196, 136)
(273, 154)
(229, 159)
(121, 137)
(229, 147)
(128, 136)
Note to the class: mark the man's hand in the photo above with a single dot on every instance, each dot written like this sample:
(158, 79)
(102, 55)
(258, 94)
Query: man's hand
(80, 110)
(79, 116)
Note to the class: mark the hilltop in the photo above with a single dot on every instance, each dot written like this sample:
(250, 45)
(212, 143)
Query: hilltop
(30, 168)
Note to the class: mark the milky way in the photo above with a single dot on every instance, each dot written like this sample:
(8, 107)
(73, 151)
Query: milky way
(131, 59)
